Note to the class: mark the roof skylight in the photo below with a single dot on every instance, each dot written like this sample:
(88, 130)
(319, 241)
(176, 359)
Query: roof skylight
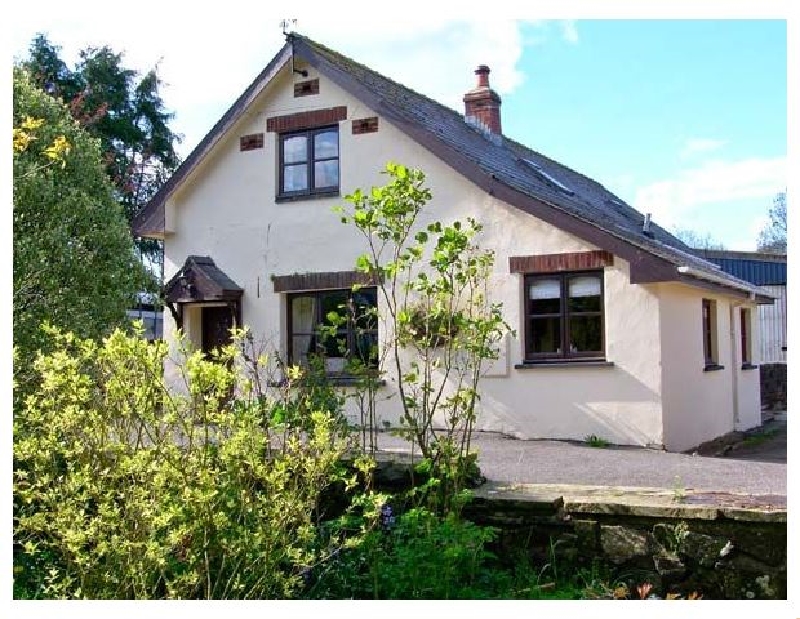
(548, 177)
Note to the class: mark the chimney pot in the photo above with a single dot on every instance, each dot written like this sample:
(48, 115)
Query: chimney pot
(483, 75)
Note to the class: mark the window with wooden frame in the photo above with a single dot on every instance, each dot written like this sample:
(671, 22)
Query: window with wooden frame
(337, 325)
(710, 354)
(746, 338)
(309, 162)
(564, 317)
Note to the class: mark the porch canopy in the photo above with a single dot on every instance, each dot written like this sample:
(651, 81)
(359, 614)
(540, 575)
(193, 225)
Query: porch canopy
(199, 280)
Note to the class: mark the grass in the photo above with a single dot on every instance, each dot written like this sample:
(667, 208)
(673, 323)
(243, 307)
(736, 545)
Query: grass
(595, 441)
(758, 438)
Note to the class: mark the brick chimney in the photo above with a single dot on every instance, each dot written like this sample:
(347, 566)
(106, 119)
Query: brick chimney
(482, 104)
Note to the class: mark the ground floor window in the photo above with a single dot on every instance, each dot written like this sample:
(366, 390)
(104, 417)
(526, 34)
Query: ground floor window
(564, 316)
(710, 333)
(747, 353)
(341, 326)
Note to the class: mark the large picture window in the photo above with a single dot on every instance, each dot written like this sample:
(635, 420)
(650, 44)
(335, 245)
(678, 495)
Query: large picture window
(354, 337)
(309, 162)
(564, 316)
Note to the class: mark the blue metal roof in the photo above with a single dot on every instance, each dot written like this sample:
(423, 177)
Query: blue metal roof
(758, 272)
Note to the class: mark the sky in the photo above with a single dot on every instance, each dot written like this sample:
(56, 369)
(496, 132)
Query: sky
(683, 119)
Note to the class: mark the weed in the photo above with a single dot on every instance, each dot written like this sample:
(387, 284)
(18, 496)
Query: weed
(595, 441)
(678, 490)
(674, 535)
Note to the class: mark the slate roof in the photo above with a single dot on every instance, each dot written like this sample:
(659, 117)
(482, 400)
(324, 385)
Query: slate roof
(505, 159)
(506, 162)
(208, 282)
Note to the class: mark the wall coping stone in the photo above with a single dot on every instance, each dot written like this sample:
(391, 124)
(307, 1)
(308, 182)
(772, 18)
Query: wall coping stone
(638, 501)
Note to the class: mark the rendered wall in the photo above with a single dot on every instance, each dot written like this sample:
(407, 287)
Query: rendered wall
(228, 211)
(700, 405)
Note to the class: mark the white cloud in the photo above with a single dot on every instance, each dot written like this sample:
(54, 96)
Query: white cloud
(696, 146)
(672, 201)
(207, 58)
(569, 31)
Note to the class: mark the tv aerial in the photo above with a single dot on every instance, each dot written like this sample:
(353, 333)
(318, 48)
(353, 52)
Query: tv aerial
(288, 26)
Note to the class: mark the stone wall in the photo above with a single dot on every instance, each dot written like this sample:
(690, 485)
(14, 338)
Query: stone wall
(773, 385)
(722, 551)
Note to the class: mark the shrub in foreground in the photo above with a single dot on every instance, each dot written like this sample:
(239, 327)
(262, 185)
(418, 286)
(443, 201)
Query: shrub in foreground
(125, 489)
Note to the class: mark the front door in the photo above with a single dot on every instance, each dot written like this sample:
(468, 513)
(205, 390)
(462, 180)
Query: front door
(217, 324)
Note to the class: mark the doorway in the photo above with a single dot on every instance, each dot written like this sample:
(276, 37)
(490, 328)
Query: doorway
(217, 322)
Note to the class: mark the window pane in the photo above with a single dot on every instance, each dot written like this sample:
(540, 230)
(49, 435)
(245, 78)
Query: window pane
(365, 302)
(326, 173)
(302, 346)
(545, 296)
(326, 145)
(367, 348)
(584, 294)
(295, 177)
(333, 345)
(585, 334)
(333, 301)
(545, 335)
(294, 149)
(303, 314)
(745, 319)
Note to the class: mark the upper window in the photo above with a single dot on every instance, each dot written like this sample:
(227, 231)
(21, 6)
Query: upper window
(355, 336)
(564, 316)
(710, 333)
(309, 162)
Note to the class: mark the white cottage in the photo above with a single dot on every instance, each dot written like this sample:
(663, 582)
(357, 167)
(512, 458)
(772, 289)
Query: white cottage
(659, 356)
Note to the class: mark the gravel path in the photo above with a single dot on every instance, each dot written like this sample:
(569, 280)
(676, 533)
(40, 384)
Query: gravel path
(505, 459)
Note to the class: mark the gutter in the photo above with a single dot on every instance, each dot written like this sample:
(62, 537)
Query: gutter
(755, 294)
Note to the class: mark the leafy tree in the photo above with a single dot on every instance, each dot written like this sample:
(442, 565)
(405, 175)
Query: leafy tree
(123, 110)
(697, 240)
(74, 260)
(773, 238)
(441, 327)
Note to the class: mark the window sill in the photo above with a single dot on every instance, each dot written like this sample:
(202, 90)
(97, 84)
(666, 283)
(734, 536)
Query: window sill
(336, 381)
(749, 366)
(534, 365)
(317, 195)
(352, 381)
(713, 367)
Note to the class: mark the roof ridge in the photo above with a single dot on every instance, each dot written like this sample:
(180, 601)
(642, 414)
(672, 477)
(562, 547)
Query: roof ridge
(361, 65)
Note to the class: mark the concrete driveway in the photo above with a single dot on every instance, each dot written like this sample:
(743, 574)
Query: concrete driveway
(756, 470)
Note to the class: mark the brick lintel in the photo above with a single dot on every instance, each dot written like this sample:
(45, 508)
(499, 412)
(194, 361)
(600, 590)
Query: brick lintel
(551, 263)
(306, 120)
(321, 281)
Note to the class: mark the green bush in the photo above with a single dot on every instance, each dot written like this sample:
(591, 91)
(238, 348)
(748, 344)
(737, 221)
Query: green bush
(126, 489)
(416, 555)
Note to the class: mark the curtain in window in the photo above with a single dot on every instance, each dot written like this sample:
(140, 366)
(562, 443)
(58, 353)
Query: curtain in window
(584, 286)
(545, 289)
(304, 313)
